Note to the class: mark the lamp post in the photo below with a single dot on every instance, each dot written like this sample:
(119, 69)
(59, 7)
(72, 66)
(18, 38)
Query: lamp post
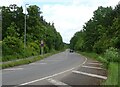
(25, 27)
(13, 7)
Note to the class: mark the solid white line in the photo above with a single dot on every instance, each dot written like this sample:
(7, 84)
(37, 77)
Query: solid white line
(92, 67)
(53, 74)
(43, 63)
(13, 69)
(38, 63)
(57, 83)
(89, 74)
(95, 63)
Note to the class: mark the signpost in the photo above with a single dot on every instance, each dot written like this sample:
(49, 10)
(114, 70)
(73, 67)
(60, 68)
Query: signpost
(42, 47)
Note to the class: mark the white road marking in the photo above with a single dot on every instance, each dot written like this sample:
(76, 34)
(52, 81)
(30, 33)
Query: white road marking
(42, 63)
(95, 63)
(92, 67)
(57, 83)
(53, 60)
(38, 63)
(92, 75)
(13, 69)
(52, 75)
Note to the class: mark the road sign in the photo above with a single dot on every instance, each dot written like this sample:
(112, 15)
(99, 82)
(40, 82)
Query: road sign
(42, 43)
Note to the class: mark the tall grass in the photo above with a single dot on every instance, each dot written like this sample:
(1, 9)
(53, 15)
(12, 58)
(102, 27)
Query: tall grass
(112, 74)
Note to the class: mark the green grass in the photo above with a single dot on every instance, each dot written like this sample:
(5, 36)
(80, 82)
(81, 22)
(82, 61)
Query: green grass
(90, 55)
(0, 51)
(112, 74)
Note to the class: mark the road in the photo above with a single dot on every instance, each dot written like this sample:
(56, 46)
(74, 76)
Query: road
(62, 66)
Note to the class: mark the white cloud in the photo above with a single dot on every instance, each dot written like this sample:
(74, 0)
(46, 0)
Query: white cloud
(8, 2)
(70, 18)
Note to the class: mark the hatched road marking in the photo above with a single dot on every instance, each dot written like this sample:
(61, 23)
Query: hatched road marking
(92, 67)
(57, 83)
(95, 63)
(92, 75)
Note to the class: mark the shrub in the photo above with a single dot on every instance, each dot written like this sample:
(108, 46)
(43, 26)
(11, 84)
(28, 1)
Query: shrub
(11, 45)
(112, 55)
(12, 48)
(104, 61)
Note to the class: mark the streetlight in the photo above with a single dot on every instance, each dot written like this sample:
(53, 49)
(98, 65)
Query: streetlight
(13, 7)
(25, 27)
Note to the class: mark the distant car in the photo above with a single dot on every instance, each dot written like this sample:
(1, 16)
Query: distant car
(71, 51)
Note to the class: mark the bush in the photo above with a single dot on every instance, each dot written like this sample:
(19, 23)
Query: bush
(112, 55)
(104, 61)
(11, 46)
(35, 47)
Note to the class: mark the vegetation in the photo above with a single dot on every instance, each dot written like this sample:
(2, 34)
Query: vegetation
(100, 39)
(112, 74)
(26, 60)
(37, 29)
(101, 32)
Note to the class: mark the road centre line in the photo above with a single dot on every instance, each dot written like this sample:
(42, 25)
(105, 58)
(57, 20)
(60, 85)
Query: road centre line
(26, 83)
(92, 67)
(92, 75)
(57, 83)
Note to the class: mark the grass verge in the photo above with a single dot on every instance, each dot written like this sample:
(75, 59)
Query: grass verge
(97, 57)
(112, 74)
(26, 61)
(112, 68)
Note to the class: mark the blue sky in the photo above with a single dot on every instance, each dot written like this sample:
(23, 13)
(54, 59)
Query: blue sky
(69, 16)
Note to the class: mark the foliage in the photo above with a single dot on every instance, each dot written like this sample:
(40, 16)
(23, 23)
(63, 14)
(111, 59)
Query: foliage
(112, 75)
(101, 32)
(37, 29)
(26, 60)
(112, 55)
(11, 45)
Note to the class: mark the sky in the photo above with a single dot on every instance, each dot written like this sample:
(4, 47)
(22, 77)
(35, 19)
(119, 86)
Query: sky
(68, 16)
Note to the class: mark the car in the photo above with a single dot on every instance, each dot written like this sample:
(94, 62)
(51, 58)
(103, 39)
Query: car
(71, 51)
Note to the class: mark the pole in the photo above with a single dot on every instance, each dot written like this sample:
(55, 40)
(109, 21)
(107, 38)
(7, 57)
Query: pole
(25, 28)
(42, 47)
(42, 50)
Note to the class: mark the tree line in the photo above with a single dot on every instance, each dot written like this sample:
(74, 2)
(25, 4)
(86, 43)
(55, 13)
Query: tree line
(37, 29)
(100, 33)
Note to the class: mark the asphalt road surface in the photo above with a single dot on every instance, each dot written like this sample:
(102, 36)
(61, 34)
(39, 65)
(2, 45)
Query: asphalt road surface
(65, 68)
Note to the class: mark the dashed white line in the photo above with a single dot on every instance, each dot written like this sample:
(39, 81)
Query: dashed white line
(92, 75)
(57, 83)
(92, 67)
